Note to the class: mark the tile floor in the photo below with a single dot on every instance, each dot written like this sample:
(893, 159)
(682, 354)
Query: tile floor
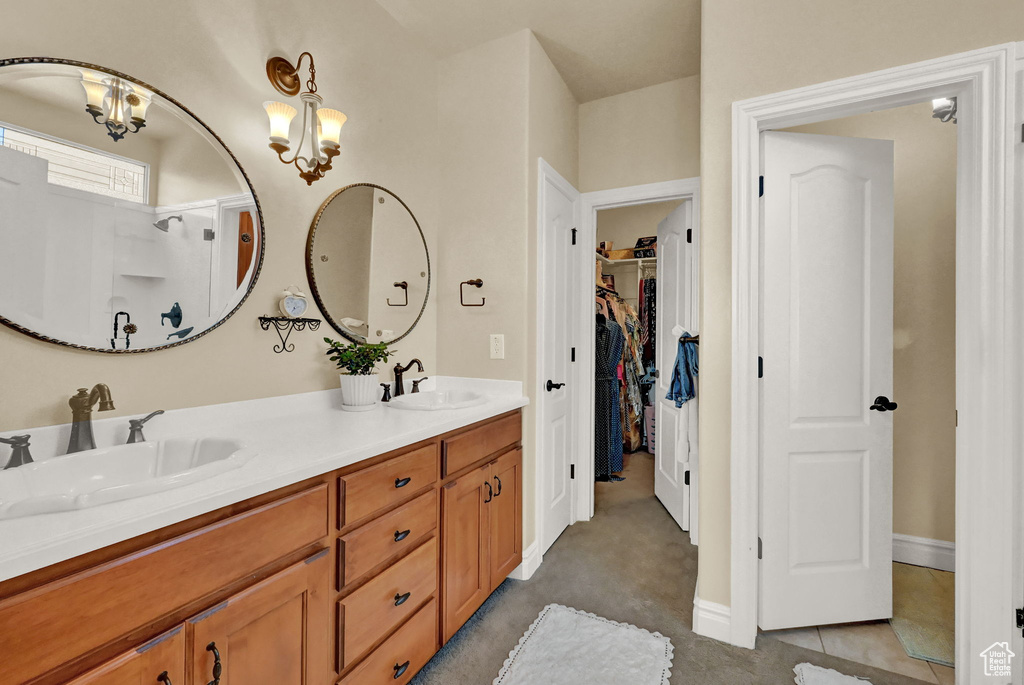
(873, 644)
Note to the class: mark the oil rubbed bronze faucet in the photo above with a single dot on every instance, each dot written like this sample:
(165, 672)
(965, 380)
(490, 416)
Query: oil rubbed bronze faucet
(400, 370)
(81, 415)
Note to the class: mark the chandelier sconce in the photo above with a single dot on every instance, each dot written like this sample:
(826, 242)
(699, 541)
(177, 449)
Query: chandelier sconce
(115, 103)
(320, 138)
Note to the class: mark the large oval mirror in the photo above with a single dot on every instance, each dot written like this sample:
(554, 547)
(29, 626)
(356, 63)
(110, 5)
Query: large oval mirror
(126, 225)
(368, 264)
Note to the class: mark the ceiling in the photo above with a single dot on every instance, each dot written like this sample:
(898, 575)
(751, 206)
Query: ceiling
(600, 47)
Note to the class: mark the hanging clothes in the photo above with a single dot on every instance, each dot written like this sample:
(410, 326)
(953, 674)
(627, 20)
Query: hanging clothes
(684, 373)
(630, 369)
(607, 423)
(648, 288)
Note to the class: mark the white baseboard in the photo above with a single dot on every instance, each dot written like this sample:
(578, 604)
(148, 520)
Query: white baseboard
(712, 620)
(937, 554)
(531, 562)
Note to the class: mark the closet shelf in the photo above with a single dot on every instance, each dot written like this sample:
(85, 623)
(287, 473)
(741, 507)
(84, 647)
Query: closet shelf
(613, 262)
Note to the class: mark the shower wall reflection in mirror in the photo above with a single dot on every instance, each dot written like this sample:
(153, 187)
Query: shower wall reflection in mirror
(125, 223)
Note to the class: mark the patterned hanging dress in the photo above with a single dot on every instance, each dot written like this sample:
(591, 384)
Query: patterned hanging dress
(607, 424)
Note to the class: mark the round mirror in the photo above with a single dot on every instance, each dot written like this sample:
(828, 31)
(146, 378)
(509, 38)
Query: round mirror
(368, 264)
(126, 225)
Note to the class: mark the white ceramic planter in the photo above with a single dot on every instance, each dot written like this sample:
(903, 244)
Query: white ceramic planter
(359, 393)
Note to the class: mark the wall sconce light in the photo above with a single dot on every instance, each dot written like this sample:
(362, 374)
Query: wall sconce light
(944, 109)
(115, 103)
(320, 125)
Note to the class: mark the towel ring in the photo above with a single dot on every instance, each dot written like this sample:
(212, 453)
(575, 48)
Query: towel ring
(476, 283)
(404, 285)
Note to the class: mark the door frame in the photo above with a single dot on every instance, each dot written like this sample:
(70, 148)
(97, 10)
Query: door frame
(989, 296)
(590, 204)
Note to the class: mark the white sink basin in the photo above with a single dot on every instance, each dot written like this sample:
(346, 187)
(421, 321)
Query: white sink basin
(86, 479)
(437, 400)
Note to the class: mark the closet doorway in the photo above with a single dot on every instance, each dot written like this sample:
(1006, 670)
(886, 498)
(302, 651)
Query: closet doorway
(565, 379)
(643, 311)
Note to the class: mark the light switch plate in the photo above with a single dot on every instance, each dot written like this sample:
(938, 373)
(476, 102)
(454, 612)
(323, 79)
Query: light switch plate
(497, 345)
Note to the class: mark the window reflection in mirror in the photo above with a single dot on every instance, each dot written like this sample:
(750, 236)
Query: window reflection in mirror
(368, 265)
(124, 222)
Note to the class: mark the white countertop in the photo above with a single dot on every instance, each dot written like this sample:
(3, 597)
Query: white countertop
(296, 437)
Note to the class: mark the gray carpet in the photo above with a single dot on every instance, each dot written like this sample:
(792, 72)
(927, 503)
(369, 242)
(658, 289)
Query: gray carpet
(632, 564)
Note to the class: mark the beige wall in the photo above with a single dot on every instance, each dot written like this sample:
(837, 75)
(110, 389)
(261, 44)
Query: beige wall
(643, 136)
(501, 106)
(924, 314)
(749, 48)
(211, 57)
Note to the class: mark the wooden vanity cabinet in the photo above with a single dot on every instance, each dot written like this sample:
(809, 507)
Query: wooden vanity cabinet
(355, 577)
(277, 631)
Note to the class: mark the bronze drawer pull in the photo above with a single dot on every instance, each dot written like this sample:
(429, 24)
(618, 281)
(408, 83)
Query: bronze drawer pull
(401, 535)
(164, 678)
(401, 599)
(402, 482)
(400, 669)
(212, 647)
(498, 493)
(490, 491)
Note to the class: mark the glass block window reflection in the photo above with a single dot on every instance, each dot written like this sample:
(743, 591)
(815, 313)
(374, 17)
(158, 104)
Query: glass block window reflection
(76, 166)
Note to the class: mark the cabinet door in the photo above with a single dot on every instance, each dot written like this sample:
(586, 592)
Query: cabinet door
(465, 553)
(506, 516)
(161, 660)
(278, 631)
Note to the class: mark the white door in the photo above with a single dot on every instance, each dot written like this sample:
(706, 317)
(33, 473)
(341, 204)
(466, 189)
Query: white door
(557, 211)
(826, 459)
(673, 308)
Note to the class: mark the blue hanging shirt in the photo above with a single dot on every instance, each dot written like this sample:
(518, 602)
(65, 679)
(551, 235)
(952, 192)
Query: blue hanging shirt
(684, 373)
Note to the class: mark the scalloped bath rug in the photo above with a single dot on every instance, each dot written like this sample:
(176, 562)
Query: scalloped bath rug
(566, 646)
(809, 674)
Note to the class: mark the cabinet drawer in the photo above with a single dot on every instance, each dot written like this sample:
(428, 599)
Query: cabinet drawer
(375, 609)
(405, 652)
(58, 622)
(470, 447)
(364, 492)
(388, 536)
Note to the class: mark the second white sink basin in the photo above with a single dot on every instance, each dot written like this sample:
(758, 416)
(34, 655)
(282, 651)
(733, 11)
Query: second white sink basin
(86, 479)
(437, 400)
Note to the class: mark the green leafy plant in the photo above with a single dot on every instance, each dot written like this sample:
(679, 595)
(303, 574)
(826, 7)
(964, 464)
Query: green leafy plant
(357, 360)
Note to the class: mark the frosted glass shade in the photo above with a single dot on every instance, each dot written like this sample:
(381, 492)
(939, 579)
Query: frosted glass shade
(281, 116)
(95, 92)
(139, 110)
(331, 121)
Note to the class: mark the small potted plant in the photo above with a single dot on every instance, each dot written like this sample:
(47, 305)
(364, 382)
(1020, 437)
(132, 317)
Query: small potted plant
(360, 382)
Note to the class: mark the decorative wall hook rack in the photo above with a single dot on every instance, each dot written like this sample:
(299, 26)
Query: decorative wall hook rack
(476, 283)
(284, 327)
(404, 285)
(695, 339)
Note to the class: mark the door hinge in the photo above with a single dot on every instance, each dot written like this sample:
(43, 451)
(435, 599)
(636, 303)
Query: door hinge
(1022, 133)
(689, 235)
(686, 478)
(574, 236)
(1020, 620)
(760, 367)
(572, 356)
(760, 186)
(759, 548)
(209, 234)
(572, 471)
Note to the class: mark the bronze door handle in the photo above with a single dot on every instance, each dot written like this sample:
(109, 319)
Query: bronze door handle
(217, 666)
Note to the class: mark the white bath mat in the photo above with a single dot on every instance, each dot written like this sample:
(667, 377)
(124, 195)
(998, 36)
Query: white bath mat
(809, 674)
(569, 647)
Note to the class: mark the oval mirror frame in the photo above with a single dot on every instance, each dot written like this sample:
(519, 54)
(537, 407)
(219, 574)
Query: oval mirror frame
(310, 277)
(16, 61)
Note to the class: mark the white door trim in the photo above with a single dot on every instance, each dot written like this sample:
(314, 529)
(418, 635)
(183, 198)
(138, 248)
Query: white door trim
(547, 174)
(590, 204)
(989, 299)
